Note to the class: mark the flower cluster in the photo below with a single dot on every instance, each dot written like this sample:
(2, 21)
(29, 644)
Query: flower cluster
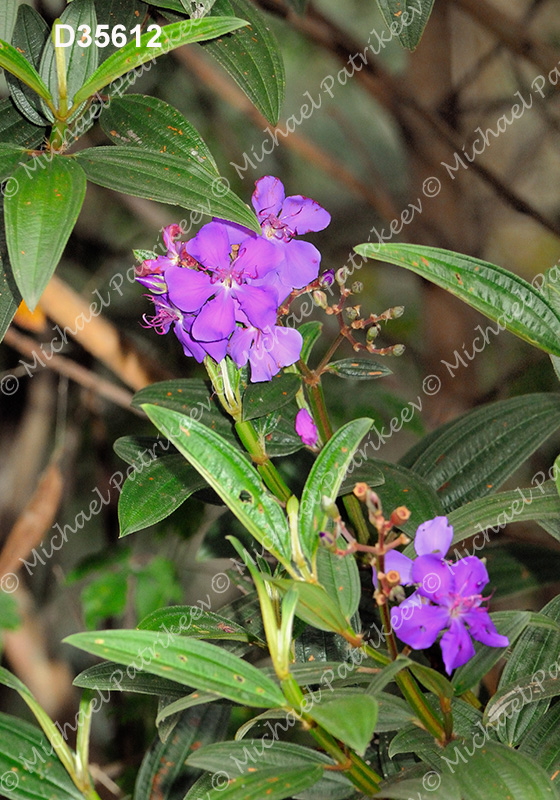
(221, 290)
(448, 597)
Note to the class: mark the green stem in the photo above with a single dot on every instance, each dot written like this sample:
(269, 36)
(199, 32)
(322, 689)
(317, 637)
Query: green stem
(363, 777)
(329, 354)
(61, 75)
(82, 739)
(270, 475)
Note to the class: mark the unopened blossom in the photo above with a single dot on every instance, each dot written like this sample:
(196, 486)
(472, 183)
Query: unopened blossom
(306, 428)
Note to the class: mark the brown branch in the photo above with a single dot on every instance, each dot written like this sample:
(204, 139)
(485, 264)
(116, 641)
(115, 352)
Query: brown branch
(377, 198)
(394, 95)
(511, 33)
(65, 366)
(98, 336)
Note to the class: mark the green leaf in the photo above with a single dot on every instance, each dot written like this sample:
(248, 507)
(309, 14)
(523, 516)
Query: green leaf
(110, 677)
(496, 772)
(537, 649)
(31, 32)
(255, 754)
(192, 621)
(10, 156)
(15, 128)
(191, 662)
(433, 681)
(417, 781)
(10, 618)
(340, 577)
(10, 298)
(387, 675)
(406, 20)
(358, 369)
(498, 294)
(163, 773)
(149, 123)
(112, 12)
(233, 479)
(475, 454)
(310, 331)
(155, 492)
(261, 399)
(542, 741)
(81, 62)
(393, 713)
(130, 56)
(400, 487)
(315, 606)
(325, 480)
(17, 65)
(526, 689)
(29, 768)
(51, 731)
(266, 783)
(495, 512)
(165, 179)
(39, 219)
(252, 57)
(350, 718)
(168, 711)
(191, 397)
(8, 18)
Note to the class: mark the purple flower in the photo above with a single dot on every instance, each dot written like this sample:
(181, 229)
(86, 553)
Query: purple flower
(306, 428)
(282, 218)
(167, 314)
(225, 287)
(448, 598)
(267, 351)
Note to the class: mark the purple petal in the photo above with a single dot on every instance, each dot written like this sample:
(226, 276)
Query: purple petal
(235, 233)
(211, 246)
(263, 366)
(394, 560)
(483, 629)
(401, 564)
(268, 197)
(306, 428)
(303, 215)
(456, 646)
(433, 536)
(216, 320)
(189, 290)
(470, 575)
(241, 343)
(258, 303)
(417, 624)
(434, 577)
(216, 350)
(301, 263)
(273, 350)
(257, 257)
(190, 347)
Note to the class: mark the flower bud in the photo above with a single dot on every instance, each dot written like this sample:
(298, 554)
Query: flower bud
(357, 287)
(398, 349)
(340, 276)
(326, 279)
(372, 333)
(320, 299)
(397, 311)
(352, 313)
(397, 594)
